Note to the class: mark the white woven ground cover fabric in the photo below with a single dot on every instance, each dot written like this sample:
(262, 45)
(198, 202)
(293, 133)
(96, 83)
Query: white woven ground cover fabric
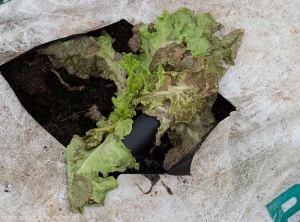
(247, 169)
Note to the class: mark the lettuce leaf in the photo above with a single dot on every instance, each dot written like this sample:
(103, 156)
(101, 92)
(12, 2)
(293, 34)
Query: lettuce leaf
(88, 56)
(179, 27)
(186, 97)
(85, 186)
(186, 136)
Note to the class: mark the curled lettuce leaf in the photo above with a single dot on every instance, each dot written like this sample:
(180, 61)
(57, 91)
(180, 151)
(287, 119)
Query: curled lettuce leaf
(186, 97)
(85, 186)
(186, 136)
(179, 27)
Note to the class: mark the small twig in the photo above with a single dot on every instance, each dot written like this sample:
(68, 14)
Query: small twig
(53, 125)
(167, 188)
(70, 88)
(72, 115)
(153, 183)
(58, 117)
(30, 82)
(147, 192)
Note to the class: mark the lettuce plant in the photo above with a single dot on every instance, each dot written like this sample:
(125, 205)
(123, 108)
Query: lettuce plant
(174, 78)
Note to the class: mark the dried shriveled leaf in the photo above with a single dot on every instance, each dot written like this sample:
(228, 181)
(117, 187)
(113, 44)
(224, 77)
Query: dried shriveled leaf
(88, 56)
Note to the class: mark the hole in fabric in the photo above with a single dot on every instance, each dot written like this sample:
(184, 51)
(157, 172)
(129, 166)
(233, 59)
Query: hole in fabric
(62, 112)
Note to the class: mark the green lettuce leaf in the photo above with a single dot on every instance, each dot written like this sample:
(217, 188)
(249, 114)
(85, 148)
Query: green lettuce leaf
(85, 186)
(179, 27)
(139, 78)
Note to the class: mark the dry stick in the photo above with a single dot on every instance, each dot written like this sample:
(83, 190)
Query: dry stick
(70, 88)
(72, 115)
